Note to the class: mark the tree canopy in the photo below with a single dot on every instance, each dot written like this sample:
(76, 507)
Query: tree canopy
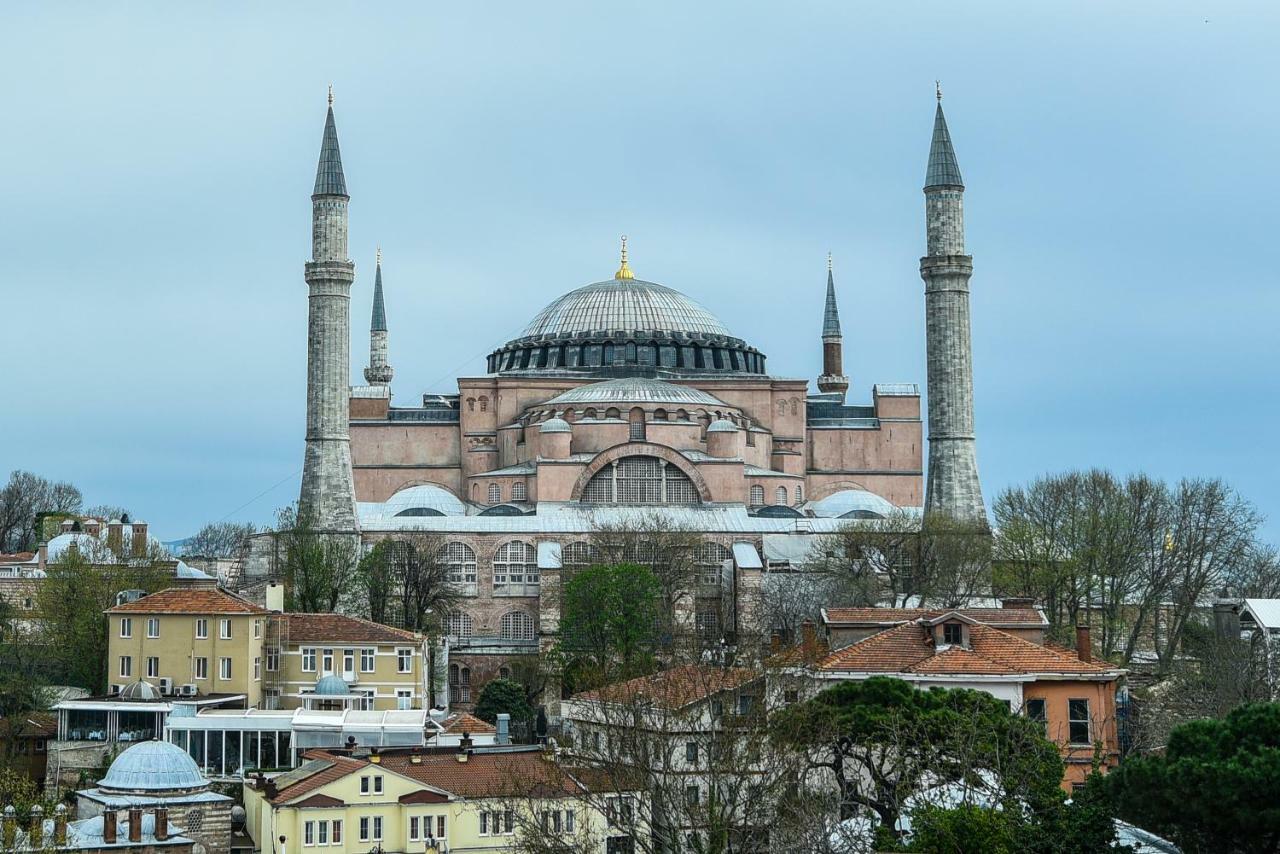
(610, 622)
(503, 695)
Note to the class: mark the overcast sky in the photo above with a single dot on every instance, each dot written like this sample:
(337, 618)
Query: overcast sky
(1120, 163)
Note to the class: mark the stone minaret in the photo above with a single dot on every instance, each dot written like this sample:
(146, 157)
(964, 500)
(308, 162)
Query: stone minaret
(833, 380)
(952, 486)
(328, 492)
(378, 372)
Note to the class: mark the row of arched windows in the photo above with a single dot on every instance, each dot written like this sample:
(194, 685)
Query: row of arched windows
(494, 494)
(756, 498)
(514, 626)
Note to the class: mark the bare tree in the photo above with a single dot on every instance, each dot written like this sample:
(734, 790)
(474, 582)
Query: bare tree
(405, 581)
(1257, 575)
(319, 568)
(23, 499)
(220, 540)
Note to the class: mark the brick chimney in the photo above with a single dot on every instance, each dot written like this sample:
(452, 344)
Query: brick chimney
(42, 554)
(162, 824)
(1011, 602)
(92, 527)
(135, 824)
(109, 827)
(60, 824)
(35, 832)
(139, 539)
(1084, 649)
(115, 535)
(808, 640)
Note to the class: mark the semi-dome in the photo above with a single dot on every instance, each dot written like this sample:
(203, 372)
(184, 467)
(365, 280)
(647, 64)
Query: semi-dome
(153, 766)
(332, 686)
(629, 305)
(425, 499)
(634, 390)
(722, 426)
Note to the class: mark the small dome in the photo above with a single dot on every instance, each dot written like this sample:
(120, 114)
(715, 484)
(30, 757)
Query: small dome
(153, 766)
(635, 390)
(424, 496)
(722, 426)
(140, 690)
(839, 505)
(332, 686)
(555, 425)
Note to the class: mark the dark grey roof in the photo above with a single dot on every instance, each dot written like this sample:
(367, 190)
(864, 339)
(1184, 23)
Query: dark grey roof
(943, 169)
(379, 322)
(329, 178)
(831, 316)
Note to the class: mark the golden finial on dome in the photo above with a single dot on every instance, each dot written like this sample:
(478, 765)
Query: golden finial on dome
(624, 272)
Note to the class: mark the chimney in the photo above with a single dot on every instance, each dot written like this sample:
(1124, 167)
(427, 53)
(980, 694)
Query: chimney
(10, 827)
(808, 640)
(135, 824)
(162, 824)
(115, 535)
(269, 790)
(109, 827)
(1083, 647)
(139, 539)
(464, 747)
(60, 824)
(65, 525)
(92, 527)
(1012, 602)
(42, 552)
(504, 728)
(35, 835)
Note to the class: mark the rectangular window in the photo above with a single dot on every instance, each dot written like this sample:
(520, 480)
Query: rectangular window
(153, 627)
(201, 667)
(153, 667)
(364, 785)
(404, 660)
(348, 661)
(257, 668)
(952, 634)
(224, 629)
(745, 702)
(404, 699)
(367, 661)
(691, 752)
(224, 668)
(126, 665)
(1078, 721)
(257, 628)
(439, 827)
(1036, 712)
(273, 659)
(377, 785)
(337, 831)
(126, 627)
(377, 828)
(568, 821)
(691, 796)
(413, 828)
(308, 659)
(202, 629)
(322, 837)
(326, 660)
(364, 828)
(309, 833)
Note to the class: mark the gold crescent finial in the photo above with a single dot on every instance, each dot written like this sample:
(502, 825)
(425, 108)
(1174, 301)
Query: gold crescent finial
(624, 272)
(937, 88)
(330, 94)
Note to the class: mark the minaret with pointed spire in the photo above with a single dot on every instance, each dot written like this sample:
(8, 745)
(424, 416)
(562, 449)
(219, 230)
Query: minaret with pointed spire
(379, 371)
(952, 486)
(833, 380)
(327, 499)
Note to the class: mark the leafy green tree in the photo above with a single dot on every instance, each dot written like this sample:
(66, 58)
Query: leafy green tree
(610, 623)
(965, 829)
(1214, 788)
(503, 695)
(319, 569)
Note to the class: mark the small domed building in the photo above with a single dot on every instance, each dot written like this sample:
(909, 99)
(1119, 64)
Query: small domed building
(154, 775)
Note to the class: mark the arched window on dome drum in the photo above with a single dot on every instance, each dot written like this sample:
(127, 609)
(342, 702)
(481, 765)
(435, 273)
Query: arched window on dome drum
(459, 561)
(636, 420)
(495, 493)
(681, 415)
(517, 491)
(517, 625)
(757, 495)
(659, 414)
(613, 412)
(780, 496)
(515, 567)
(458, 624)
(589, 414)
(710, 560)
(640, 480)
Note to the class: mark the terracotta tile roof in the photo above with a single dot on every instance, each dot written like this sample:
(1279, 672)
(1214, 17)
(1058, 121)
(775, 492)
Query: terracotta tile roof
(327, 768)
(187, 600)
(888, 616)
(319, 800)
(463, 722)
(17, 557)
(674, 688)
(339, 628)
(486, 775)
(908, 648)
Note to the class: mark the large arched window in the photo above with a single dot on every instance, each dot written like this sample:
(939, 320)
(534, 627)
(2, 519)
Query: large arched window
(757, 495)
(640, 480)
(579, 556)
(780, 496)
(458, 624)
(459, 561)
(459, 684)
(516, 563)
(495, 493)
(710, 559)
(517, 625)
(517, 491)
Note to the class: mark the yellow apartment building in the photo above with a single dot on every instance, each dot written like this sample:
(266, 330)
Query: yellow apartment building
(433, 802)
(189, 641)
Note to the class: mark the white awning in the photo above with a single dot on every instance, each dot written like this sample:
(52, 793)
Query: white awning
(548, 555)
(746, 556)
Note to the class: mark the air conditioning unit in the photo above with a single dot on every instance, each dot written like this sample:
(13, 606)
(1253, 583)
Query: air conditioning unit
(188, 690)
(166, 686)
(116, 688)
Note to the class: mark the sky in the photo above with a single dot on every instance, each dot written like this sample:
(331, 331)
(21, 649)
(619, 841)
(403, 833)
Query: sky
(1120, 164)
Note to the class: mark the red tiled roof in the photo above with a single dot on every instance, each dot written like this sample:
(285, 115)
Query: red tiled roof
(888, 616)
(339, 628)
(463, 722)
(319, 800)
(908, 648)
(485, 775)
(674, 688)
(340, 767)
(187, 600)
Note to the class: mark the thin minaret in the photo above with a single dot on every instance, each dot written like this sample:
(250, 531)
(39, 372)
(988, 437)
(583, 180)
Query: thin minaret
(379, 371)
(952, 487)
(833, 380)
(327, 500)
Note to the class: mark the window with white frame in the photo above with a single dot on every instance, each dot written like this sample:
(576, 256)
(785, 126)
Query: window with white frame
(517, 491)
(367, 659)
(414, 832)
(518, 625)
(273, 659)
(404, 699)
(640, 480)
(404, 660)
(126, 627)
(337, 831)
(780, 496)
(348, 661)
(377, 785)
(757, 495)
(257, 628)
(710, 558)
(495, 493)
(377, 827)
(515, 563)
(440, 827)
(200, 667)
(1078, 721)
(224, 668)
(460, 562)
(364, 828)
(126, 666)
(326, 660)
(308, 833)
(257, 668)
(153, 667)
(322, 835)
(365, 786)
(458, 624)
(224, 629)
(202, 628)
(153, 627)
(497, 822)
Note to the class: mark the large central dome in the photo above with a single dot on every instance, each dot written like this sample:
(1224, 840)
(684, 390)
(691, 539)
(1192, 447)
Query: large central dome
(624, 305)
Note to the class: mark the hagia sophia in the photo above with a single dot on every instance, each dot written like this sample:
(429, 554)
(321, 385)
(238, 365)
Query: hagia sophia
(621, 399)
